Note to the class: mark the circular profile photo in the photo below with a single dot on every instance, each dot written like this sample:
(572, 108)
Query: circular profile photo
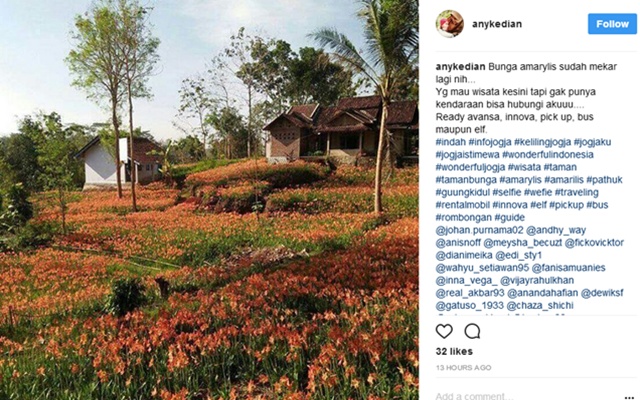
(449, 23)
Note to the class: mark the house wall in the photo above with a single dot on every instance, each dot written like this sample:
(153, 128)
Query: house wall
(99, 166)
(370, 142)
(344, 120)
(398, 141)
(145, 176)
(285, 141)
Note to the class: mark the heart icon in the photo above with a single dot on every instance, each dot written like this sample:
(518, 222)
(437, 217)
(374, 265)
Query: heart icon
(444, 330)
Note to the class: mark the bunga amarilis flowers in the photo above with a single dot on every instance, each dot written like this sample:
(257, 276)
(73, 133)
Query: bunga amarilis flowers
(312, 297)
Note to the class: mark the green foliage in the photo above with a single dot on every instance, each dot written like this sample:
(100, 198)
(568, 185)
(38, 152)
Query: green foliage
(186, 150)
(197, 103)
(295, 175)
(314, 78)
(286, 78)
(28, 236)
(391, 37)
(113, 56)
(92, 61)
(126, 295)
(272, 76)
(20, 158)
(55, 156)
(231, 126)
(17, 208)
(242, 198)
(137, 48)
(277, 176)
(55, 152)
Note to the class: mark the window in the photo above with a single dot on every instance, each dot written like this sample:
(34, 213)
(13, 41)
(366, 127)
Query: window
(350, 141)
(411, 144)
(148, 167)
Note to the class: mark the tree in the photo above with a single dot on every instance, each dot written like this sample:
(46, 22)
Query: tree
(391, 37)
(6, 175)
(314, 78)
(55, 156)
(267, 71)
(96, 64)
(196, 101)
(240, 52)
(186, 150)
(285, 78)
(15, 208)
(138, 49)
(20, 158)
(407, 87)
(240, 62)
(232, 128)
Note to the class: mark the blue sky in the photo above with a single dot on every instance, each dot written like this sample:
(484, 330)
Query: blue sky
(35, 39)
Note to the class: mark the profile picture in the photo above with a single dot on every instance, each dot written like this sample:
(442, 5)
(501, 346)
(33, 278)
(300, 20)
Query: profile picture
(449, 23)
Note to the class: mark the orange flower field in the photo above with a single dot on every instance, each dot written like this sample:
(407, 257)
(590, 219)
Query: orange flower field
(313, 297)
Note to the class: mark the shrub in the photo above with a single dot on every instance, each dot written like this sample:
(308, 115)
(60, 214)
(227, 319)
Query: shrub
(18, 208)
(241, 198)
(30, 235)
(126, 295)
(279, 175)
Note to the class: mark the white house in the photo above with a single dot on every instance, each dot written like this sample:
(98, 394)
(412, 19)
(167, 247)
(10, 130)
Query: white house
(99, 164)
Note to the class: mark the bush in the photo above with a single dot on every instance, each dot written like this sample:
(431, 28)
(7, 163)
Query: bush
(242, 198)
(30, 236)
(243, 187)
(18, 208)
(126, 295)
(279, 175)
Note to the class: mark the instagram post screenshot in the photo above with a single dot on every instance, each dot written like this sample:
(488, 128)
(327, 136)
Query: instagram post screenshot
(528, 201)
(219, 200)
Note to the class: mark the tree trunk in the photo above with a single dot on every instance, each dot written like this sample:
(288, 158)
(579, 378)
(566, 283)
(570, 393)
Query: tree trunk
(116, 130)
(63, 209)
(391, 152)
(204, 135)
(134, 168)
(250, 126)
(379, 159)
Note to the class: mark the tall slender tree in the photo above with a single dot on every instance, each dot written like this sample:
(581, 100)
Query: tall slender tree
(197, 102)
(97, 66)
(391, 37)
(138, 49)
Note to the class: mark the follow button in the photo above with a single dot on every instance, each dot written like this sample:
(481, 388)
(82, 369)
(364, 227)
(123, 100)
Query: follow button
(613, 24)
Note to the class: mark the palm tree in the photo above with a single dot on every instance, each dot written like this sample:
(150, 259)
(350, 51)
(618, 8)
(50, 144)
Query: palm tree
(391, 38)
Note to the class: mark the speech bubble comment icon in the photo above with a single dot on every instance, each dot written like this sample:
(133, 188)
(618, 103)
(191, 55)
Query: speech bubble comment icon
(472, 331)
(444, 330)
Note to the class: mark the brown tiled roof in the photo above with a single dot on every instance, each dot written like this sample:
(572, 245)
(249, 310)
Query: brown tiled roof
(297, 119)
(402, 112)
(326, 114)
(300, 117)
(364, 110)
(359, 103)
(348, 128)
(304, 109)
(363, 115)
(141, 149)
